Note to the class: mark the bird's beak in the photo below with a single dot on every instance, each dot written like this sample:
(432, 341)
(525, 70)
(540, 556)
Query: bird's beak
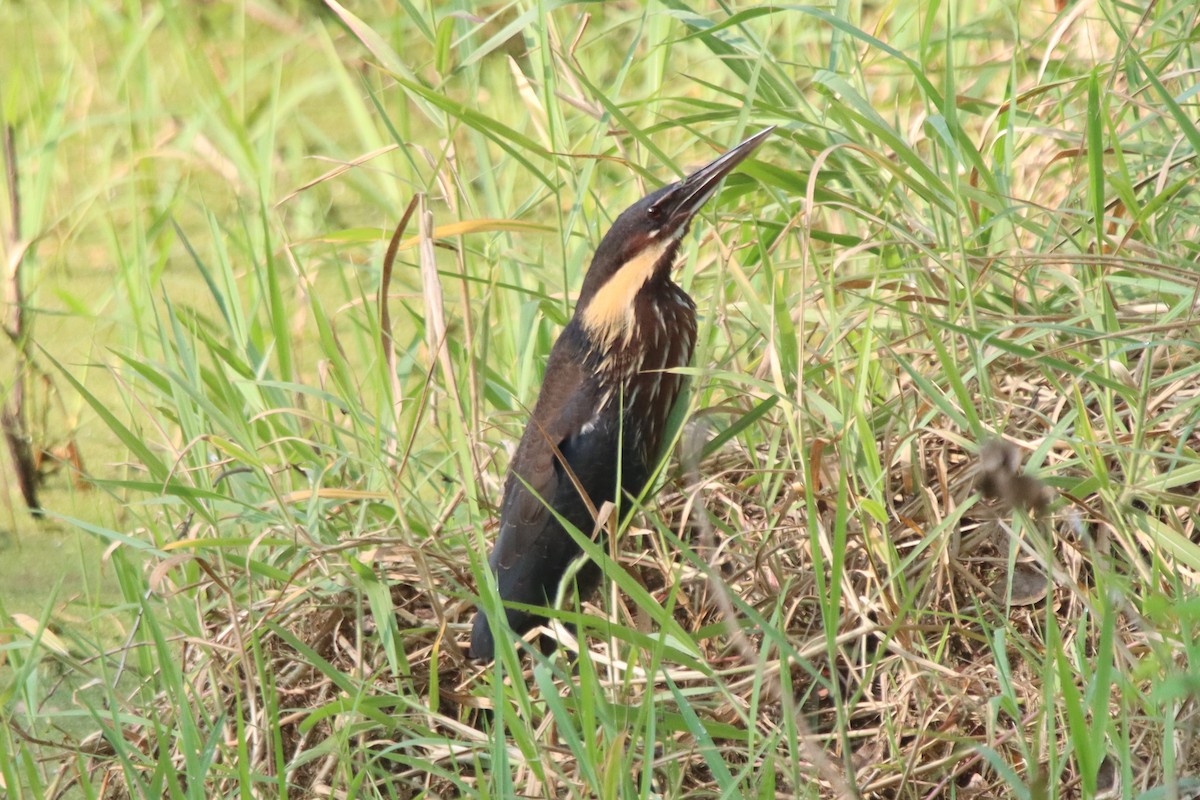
(678, 205)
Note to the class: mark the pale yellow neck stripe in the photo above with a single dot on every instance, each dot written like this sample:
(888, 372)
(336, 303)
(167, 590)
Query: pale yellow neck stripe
(610, 312)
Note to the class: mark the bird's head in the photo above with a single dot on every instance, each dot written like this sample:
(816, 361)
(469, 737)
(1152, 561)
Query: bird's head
(643, 241)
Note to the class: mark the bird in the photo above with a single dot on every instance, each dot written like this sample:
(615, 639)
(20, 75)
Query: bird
(607, 391)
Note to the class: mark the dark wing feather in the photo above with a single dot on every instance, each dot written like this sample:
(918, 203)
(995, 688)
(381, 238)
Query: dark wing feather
(566, 403)
(532, 550)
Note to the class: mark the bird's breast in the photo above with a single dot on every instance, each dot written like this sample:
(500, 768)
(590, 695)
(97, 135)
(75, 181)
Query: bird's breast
(636, 374)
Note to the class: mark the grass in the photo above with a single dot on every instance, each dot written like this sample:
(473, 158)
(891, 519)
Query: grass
(976, 221)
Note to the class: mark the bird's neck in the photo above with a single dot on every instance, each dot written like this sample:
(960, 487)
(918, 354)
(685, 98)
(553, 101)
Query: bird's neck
(637, 371)
(607, 312)
(660, 334)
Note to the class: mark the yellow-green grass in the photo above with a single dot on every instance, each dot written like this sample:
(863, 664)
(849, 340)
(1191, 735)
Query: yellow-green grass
(976, 220)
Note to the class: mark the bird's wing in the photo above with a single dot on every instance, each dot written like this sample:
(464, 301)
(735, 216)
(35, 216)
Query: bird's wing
(537, 472)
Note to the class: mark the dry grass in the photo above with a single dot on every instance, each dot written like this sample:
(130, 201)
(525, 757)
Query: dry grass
(912, 669)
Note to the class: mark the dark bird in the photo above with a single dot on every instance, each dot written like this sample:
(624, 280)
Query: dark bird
(605, 397)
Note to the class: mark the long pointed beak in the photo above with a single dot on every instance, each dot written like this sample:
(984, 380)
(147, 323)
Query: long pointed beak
(681, 202)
